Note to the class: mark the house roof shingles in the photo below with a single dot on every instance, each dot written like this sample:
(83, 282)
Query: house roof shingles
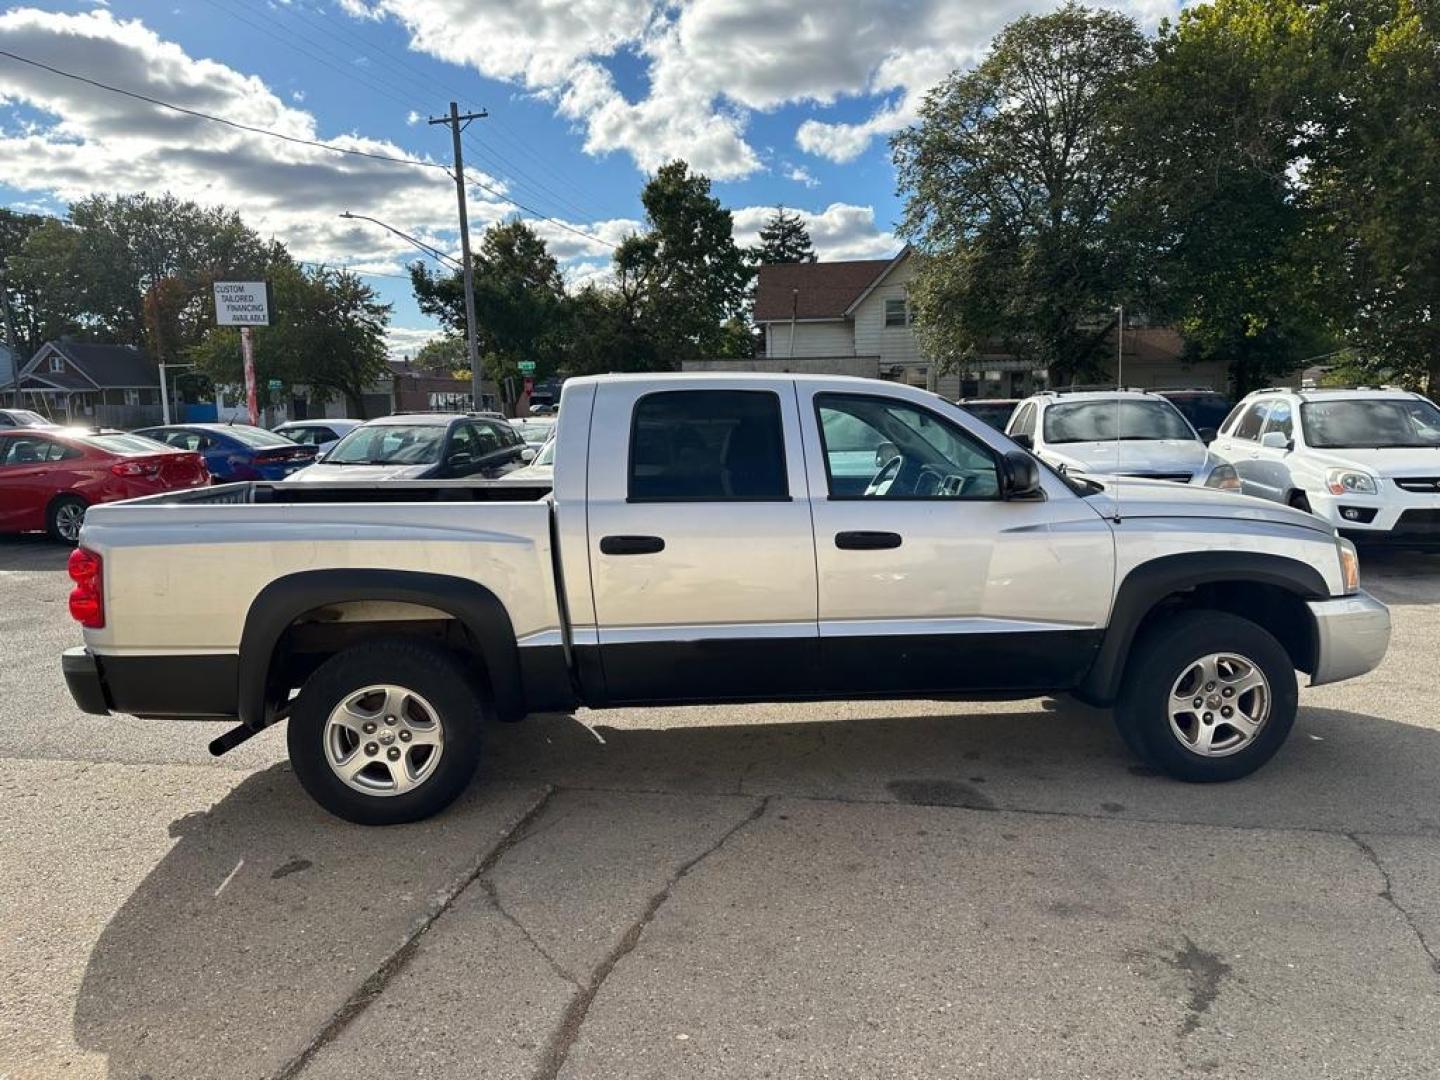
(112, 366)
(822, 290)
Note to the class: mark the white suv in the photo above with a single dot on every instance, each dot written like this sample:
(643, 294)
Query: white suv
(1117, 433)
(1367, 461)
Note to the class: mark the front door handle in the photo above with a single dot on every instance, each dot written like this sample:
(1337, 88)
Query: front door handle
(631, 545)
(866, 541)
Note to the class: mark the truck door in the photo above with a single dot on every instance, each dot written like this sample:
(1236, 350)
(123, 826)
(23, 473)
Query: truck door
(702, 559)
(929, 581)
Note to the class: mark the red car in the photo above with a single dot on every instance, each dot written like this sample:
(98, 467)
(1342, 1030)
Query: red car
(48, 477)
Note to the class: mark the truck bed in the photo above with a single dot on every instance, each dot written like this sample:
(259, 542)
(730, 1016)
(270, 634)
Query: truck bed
(388, 491)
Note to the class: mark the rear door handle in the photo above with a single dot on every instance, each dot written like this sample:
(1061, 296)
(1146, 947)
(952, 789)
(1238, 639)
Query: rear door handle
(631, 545)
(866, 541)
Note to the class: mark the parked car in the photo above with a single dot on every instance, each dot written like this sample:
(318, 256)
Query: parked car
(236, 451)
(50, 476)
(698, 548)
(1117, 433)
(535, 431)
(1205, 409)
(420, 446)
(321, 434)
(24, 418)
(1365, 461)
(994, 411)
(539, 471)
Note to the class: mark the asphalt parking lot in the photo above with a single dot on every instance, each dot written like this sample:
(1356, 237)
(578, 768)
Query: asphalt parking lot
(867, 889)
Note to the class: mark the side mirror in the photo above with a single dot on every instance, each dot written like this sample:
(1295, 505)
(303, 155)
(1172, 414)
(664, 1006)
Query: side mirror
(1207, 435)
(1274, 440)
(885, 452)
(528, 454)
(1019, 475)
(458, 461)
(1021, 439)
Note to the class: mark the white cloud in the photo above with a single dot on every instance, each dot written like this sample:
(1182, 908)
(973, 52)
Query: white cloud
(801, 175)
(566, 245)
(91, 140)
(710, 63)
(408, 340)
(840, 231)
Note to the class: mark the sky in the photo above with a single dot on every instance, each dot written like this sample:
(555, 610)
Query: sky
(779, 102)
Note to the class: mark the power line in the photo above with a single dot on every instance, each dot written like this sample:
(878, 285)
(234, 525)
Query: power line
(222, 120)
(531, 210)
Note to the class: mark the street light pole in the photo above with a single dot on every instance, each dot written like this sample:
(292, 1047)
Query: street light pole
(456, 122)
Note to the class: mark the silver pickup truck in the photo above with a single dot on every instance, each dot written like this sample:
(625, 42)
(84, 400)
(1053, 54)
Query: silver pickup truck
(710, 539)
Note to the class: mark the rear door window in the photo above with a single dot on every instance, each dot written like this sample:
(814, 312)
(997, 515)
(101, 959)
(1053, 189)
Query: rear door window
(1281, 419)
(707, 445)
(1251, 423)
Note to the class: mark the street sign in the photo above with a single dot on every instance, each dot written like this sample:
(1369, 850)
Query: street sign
(242, 303)
(275, 384)
(527, 367)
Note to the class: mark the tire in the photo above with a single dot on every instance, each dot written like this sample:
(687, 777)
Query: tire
(1173, 655)
(437, 707)
(64, 517)
(1300, 501)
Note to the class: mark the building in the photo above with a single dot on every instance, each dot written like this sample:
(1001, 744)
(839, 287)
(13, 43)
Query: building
(854, 318)
(79, 382)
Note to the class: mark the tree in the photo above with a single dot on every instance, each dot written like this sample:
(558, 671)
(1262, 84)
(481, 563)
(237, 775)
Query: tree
(1219, 116)
(683, 280)
(37, 267)
(328, 334)
(444, 355)
(784, 239)
(1010, 177)
(520, 305)
(1374, 181)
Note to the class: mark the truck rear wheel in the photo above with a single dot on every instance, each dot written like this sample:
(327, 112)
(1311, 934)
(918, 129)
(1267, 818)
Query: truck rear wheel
(1207, 696)
(387, 732)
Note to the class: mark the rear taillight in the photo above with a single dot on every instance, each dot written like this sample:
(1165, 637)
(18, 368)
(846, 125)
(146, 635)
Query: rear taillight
(87, 599)
(136, 468)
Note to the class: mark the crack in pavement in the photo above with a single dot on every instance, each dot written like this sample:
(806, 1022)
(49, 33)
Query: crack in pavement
(1388, 895)
(575, 1013)
(494, 895)
(375, 984)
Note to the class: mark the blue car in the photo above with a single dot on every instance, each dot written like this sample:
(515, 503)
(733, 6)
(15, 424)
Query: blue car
(236, 451)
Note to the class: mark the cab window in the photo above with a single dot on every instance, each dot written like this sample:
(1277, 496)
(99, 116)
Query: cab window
(881, 448)
(707, 446)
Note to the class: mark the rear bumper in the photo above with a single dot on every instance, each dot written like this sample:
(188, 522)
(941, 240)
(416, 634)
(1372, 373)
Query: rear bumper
(1351, 636)
(179, 687)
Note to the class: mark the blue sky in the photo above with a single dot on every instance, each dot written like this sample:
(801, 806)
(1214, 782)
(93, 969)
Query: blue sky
(777, 102)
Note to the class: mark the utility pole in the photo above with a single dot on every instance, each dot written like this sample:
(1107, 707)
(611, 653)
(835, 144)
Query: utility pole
(457, 122)
(12, 340)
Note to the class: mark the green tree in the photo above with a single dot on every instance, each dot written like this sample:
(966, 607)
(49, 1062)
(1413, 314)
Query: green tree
(444, 355)
(1011, 176)
(1219, 116)
(683, 281)
(520, 304)
(328, 333)
(1373, 181)
(784, 239)
(37, 266)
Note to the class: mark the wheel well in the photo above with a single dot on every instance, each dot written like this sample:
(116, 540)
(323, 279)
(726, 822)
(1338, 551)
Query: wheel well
(313, 636)
(1277, 609)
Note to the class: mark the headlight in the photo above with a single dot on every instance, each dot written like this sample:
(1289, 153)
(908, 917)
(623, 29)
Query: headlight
(1349, 565)
(1349, 482)
(1223, 477)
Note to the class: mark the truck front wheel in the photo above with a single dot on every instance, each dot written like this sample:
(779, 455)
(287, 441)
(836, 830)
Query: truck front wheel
(1207, 696)
(387, 732)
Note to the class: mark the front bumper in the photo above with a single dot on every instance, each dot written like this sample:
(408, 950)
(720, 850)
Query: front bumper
(82, 676)
(1351, 636)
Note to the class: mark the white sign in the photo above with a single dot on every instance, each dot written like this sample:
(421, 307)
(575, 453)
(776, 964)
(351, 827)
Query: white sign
(242, 303)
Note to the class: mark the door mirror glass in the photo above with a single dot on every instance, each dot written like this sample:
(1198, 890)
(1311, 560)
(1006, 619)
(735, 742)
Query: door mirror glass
(1207, 435)
(1019, 475)
(885, 452)
(1275, 440)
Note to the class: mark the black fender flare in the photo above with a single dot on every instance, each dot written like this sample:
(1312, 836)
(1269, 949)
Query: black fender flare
(1150, 582)
(286, 598)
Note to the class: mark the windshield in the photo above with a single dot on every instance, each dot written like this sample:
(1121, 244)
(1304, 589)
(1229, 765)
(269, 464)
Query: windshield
(1202, 410)
(546, 455)
(1377, 422)
(995, 413)
(389, 444)
(125, 445)
(1097, 420)
(256, 437)
(26, 418)
(534, 432)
